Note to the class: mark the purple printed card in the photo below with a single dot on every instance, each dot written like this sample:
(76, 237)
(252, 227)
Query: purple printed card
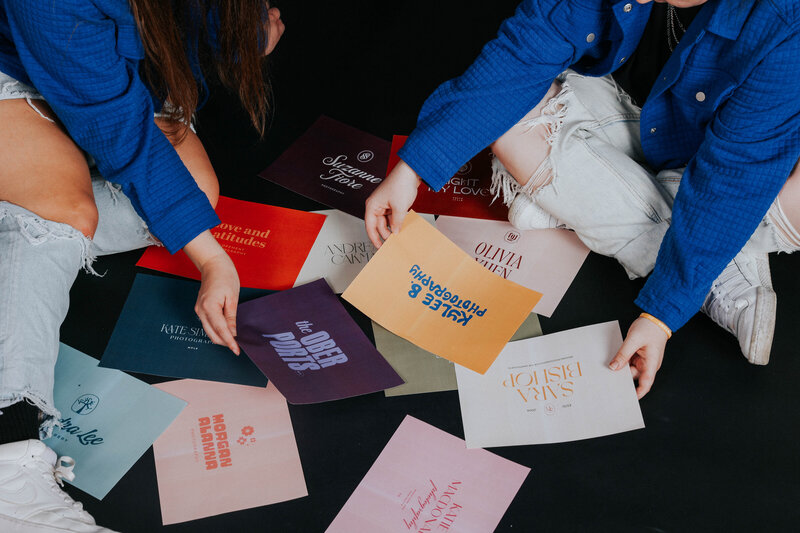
(305, 342)
(334, 164)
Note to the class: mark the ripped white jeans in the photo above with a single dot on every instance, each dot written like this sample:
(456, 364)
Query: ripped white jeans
(39, 261)
(592, 166)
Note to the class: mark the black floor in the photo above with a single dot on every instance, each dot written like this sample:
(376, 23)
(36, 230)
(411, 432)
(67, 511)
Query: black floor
(719, 451)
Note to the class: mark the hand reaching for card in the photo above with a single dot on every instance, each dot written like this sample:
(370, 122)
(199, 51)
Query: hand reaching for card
(387, 206)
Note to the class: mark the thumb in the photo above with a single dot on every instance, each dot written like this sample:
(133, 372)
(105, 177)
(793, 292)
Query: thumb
(624, 354)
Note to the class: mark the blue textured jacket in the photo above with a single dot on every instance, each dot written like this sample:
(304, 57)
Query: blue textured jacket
(83, 57)
(739, 140)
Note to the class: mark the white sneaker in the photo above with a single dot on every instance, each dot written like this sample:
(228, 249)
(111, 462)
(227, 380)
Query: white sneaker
(524, 214)
(30, 497)
(743, 302)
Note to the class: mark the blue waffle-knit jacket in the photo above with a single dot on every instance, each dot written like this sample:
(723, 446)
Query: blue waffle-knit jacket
(727, 106)
(83, 57)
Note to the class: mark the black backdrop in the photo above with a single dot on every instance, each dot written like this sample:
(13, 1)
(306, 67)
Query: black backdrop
(720, 448)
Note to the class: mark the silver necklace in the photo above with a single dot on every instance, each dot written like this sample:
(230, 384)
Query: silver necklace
(672, 20)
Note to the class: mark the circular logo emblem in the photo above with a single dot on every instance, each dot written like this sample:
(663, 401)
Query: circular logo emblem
(85, 404)
(365, 156)
(466, 169)
(512, 236)
(549, 409)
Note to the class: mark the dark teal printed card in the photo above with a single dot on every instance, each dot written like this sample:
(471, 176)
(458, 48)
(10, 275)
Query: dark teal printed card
(158, 333)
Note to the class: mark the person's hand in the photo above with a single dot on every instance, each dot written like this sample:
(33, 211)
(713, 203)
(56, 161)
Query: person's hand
(388, 205)
(643, 351)
(219, 290)
(275, 29)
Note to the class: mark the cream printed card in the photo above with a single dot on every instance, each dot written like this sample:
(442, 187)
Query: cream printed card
(545, 260)
(554, 388)
(425, 480)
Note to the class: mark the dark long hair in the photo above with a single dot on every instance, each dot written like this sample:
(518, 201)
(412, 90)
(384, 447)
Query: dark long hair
(176, 33)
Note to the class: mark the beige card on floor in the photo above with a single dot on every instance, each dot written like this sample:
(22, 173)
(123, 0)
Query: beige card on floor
(424, 372)
(421, 286)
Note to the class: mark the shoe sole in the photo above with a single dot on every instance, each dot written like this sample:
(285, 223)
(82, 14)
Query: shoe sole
(761, 340)
(12, 525)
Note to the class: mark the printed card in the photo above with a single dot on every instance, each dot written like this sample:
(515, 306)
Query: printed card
(340, 252)
(267, 244)
(543, 260)
(424, 288)
(423, 371)
(307, 344)
(426, 480)
(108, 419)
(232, 448)
(333, 164)
(158, 333)
(467, 193)
(554, 388)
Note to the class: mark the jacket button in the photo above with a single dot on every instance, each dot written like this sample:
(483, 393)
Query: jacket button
(652, 130)
(590, 38)
(623, 59)
(627, 8)
(700, 96)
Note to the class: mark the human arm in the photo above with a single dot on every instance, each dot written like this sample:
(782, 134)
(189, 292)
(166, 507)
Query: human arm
(84, 62)
(219, 289)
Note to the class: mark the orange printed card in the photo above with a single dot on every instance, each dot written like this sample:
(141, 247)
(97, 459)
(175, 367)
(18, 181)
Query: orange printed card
(424, 288)
(267, 244)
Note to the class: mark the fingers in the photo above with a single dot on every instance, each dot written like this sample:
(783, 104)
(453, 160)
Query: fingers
(216, 320)
(396, 219)
(372, 223)
(646, 379)
(624, 354)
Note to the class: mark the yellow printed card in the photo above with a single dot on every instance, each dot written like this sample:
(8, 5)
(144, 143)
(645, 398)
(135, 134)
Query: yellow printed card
(422, 287)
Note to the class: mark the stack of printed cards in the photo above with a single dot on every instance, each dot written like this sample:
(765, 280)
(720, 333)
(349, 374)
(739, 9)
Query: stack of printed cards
(554, 388)
(425, 289)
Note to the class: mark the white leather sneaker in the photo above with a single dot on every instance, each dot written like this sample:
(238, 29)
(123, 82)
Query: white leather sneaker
(524, 214)
(31, 499)
(743, 302)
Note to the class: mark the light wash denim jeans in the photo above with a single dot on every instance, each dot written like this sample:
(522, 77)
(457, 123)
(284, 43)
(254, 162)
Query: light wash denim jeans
(598, 167)
(39, 261)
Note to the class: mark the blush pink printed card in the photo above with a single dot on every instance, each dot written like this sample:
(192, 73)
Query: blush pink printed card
(545, 260)
(231, 448)
(425, 480)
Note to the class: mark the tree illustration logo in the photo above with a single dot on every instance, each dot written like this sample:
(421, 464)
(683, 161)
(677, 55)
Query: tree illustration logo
(85, 404)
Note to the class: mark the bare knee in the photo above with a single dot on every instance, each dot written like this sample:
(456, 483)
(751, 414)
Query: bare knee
(78, 211)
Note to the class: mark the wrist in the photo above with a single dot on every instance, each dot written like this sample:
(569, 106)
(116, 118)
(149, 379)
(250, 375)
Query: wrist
(203, 249)
(657, 322)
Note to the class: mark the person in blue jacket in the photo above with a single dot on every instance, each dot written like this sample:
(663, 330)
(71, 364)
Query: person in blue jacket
(97, 155)
(665, 134)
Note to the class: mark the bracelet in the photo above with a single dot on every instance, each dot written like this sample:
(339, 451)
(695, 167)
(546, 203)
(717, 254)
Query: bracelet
(658, 323)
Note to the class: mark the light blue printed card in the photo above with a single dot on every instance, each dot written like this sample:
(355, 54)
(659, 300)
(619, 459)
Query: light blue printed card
(109, 419)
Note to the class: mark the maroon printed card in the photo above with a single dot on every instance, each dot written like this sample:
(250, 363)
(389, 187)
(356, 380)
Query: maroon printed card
(309, 347)
(465, 195)
(334, 164)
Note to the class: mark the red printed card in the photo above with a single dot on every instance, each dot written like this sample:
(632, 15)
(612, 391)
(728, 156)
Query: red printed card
(465, 195)
(267, 244)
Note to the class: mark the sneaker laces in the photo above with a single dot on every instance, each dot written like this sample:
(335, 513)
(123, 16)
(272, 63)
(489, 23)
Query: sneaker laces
(55, 476)
(728, 297)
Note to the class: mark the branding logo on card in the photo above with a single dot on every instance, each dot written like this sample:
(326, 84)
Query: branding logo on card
(498, 260)
(233, 236)
(465, 169)
(512, 236)
(181, 333)
(550, 384)
(214, 438)
(365, 156)
(437, 297)
(311, 351)
(85, 437)
(85, 404)
(433, 510)
(352, 253)
(348, 175)
(246, 438)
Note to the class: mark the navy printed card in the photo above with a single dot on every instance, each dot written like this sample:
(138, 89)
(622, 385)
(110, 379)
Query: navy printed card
(158, 333)
(307, 344)
(334, 164)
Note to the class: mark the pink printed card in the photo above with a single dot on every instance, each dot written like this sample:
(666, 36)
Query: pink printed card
(231, 448)
(426, 480)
